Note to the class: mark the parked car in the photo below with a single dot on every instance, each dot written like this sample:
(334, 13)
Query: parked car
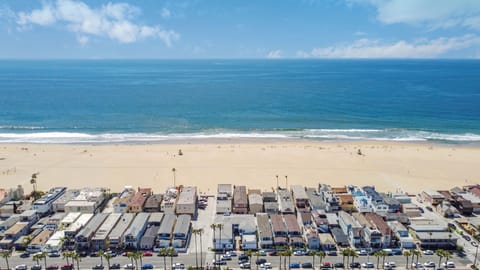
(390, 264)
(428, 252)
(355, 265)
(226, 257)
(417, 265)
(449, 264)
(115, 266)
(429, 264)
(362, 252)
(299, 253)
(98, 267)
(178, 266)
(306, 265)
(266, 265)
(53, 254)
(332, 253)
(262, 253)
(339, 265)
(260, 261)
(67, 266)
(245, 265)
(129, 266)
(474, 243)
(52, 267)
(272, 253)
(147, 253)
(83, 254)
(466, 237)
(21, 267)
(368, 265)
(25, 255)
(36, 267)
(219, 262)
(429, 208)
(294, 265)
(232, 253)
(147, 266)
(326, 265)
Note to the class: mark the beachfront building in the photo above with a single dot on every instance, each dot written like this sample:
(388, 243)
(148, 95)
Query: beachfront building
(402, 234)
(134, 233)
(313, 242)
(249, 242)
(152, 204)
(320, 220)
(76, 226)
(223, 205)
(294, 231)
(240, 200)
(115, 237)
(83, 238)
(286, 205)
(315, 200)
(29, 216)
(38, 242)
(187, 202)
(100, 239)
(376, 201)
(120, 203)
(12, 234)
(224, 189)
(165, 232)
(44, 204)
(300, 197)
(55, 242)
(330, 198)
(411, 210)
(431, 196)
(138, 200)
(265, 234)
(223, 239)
(437, 240)
(4, 225)
(394, 206)
(350, 227)
(182, 232)
(69, 219)
(379, 224)
(279, 229)
(155, 219)
(360, 200)
(89, 200)
(327, 242)
(148, 239)
(255, 202)
(59, 204)
(53, 222)
(340, 237)
(371, 237)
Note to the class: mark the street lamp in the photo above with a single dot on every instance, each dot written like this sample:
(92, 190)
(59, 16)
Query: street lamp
(277, 179)
(286, 182)
(174, 180)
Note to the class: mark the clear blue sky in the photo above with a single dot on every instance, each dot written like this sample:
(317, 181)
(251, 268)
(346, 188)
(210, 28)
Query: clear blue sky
(89, 29)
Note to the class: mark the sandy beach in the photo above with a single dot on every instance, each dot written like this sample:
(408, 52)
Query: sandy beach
(389, 166)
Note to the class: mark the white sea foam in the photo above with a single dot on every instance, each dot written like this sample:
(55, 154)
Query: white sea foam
(313, 134)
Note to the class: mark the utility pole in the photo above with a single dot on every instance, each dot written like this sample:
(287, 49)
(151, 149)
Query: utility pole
(286, 182)
(475, 260)
(277, 181)
(174, 180)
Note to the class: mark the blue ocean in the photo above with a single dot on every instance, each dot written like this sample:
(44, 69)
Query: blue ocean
(103, 101)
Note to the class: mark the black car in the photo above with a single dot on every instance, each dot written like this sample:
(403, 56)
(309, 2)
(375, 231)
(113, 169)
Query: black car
(25, 255)
(307, 265)
(355, 265)
(339, 265)
(94, 254)
(98, 267)
(332, 253)
(115, 266)
(36, 267)
(243, 257)
(466, 237)
(429, 208)
(83, 254)
(260, 261)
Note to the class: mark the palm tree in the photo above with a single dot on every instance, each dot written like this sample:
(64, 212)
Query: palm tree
(447, 255)
(321, 255)
(288, 253)
(416, 253)
(100, 254)
(174, 180)
(107, 257)
(220, 227)
(37, 258)
(214, 228)
(407, 254)
(377, 255)
(257, 255)
(67, 255)
(131, 256)
(171, 252)
(33, 181)
(195, 232)
(353, 254)
(280, 253)
(344, 253)
(200, 232)
(139, 256)
(249, 253)
(77, 258)
(6, 255)
(440, 253)
(164, 253)
(312, 253)
(384, 255)
(43, 255)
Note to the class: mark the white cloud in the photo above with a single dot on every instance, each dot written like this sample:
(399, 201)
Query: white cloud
(360, 33)
(113, 20)
(165, 13)
(367, 48)
(275, 54)
(432, 13)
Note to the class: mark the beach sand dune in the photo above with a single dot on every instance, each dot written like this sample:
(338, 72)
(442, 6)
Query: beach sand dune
(390, 166)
